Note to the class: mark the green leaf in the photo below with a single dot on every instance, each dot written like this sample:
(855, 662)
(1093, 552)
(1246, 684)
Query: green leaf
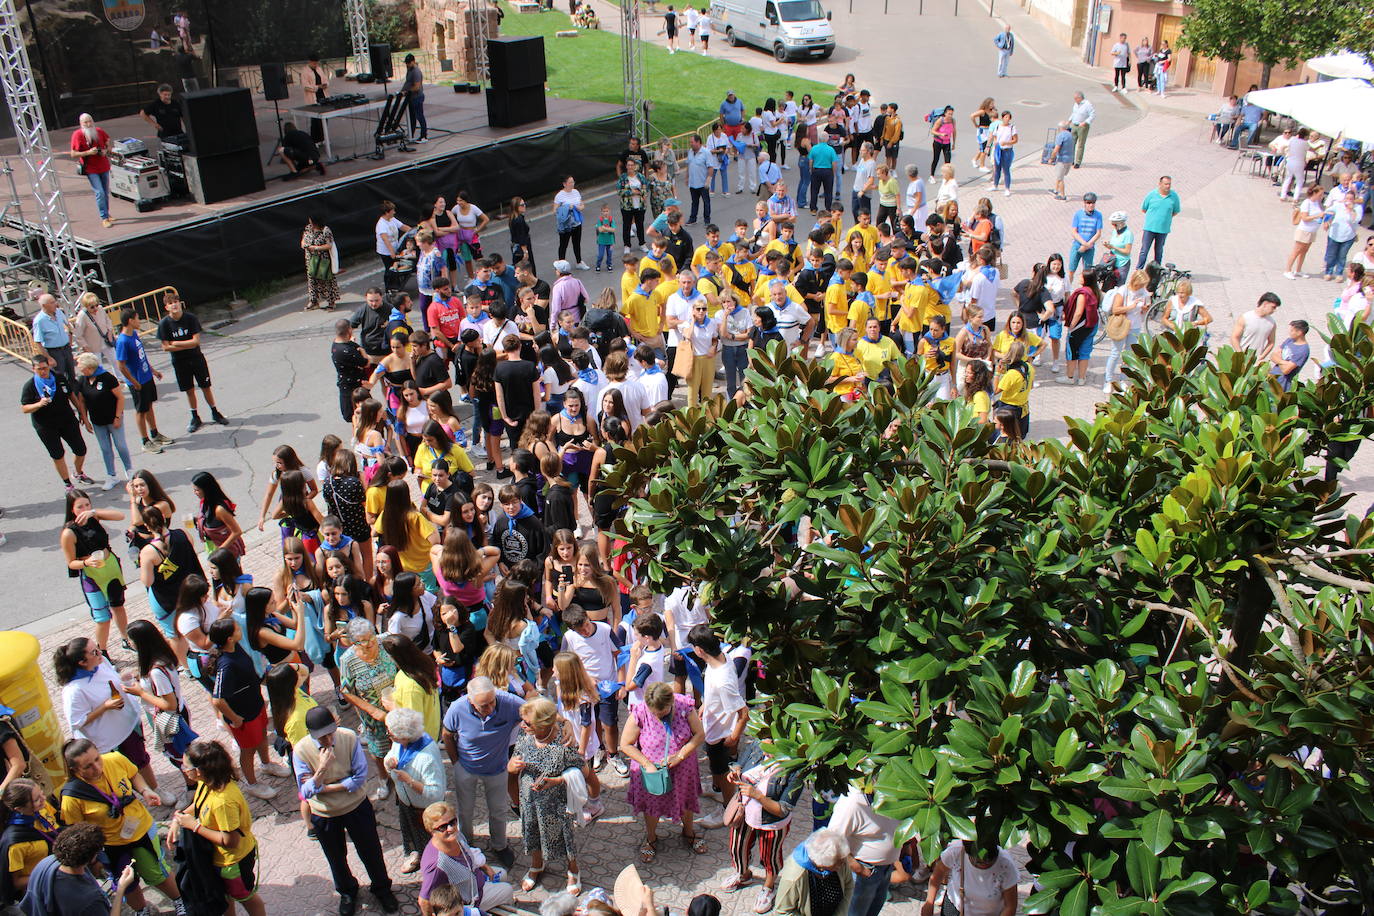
(1157, 831)
(1075, 902)
(1196, 883)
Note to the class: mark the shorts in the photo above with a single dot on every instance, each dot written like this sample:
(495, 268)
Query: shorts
(677, 665)
(166, 620)
(52, 437)
(145, 397)
(718, 757)
(1054, 329)
(1081, 343)
(1061, 169)
(241, 879)
(608, 712)
(100, 599)
(134, 748)
(893, 149)
(604, 510)
(1303, 236)
(145, 855)
(192, 370)
(251, 733)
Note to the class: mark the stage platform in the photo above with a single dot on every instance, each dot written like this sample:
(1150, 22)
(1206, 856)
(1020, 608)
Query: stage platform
(210, 251)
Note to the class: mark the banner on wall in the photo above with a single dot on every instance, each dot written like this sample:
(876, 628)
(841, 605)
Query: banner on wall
(125, 15)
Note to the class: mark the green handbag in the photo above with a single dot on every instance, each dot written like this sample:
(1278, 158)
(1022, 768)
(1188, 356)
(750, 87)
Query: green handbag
(660, 781)
(319, 267)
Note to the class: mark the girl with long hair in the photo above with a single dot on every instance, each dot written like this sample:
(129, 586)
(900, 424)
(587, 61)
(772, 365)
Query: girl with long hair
(482, 390)
(558, 566)
(232, 585)
(195, 612)
(592, 589)
(347, 601)
(605, 509)
(436, 444)
(372, 439)
(216, 523)
(404, 528)
(392, 467)
(1080, 320)
(219, 813)
(159, 687)
(329, 447)
(86, 547)
(501, 664)
(166, 560)
(298, 579)
(440, 407)
(144, 491)
(237, 697)
(977, 380)
(557, 376)
(265, 630)
(387, 568)
(345, 497)
(510, 623)
(576, 696)
(417, 681)
(537, 437)
(412, 413)
(410, 611)
(284, 458)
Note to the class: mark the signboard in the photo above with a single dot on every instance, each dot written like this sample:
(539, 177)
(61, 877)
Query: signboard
(125, 15)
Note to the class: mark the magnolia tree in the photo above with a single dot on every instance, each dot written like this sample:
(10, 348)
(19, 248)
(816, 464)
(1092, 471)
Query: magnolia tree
(1146, 652)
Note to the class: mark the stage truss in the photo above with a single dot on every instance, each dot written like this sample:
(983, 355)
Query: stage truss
(70, 278)
(632, 68)
(481, 32)
(355, 11)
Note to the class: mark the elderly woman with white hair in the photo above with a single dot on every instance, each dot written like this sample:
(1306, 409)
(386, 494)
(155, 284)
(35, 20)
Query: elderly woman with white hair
(817, 880)
(104, 398)
(417, 770)
(366, 671)
(90, 148)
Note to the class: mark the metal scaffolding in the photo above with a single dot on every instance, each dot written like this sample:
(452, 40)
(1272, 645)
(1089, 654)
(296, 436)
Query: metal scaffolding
(480, 21)
(70, 279)
(632, 68)
(355, 11)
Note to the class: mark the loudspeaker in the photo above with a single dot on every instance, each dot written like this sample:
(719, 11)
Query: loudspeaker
(223, 177)
(518, 62)
(513, 107)
(219, 121)
(380, 55)
(274, 82)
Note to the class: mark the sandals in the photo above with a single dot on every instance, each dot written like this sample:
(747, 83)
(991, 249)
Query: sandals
(648, 851)
(695, 842)
(531, 879)
(575, 883)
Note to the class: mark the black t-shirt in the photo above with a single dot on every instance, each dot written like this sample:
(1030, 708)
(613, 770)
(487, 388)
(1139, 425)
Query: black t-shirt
(490, 293)
(516, 378)
(98, 391)
(167, 115)
(430, 370)
(236, 683)
(638, 154)
(679, 246)
(183, 328)
(439, 501)
(835, 135)
(299, 144)
(59, 412)
(670, 20)
(350, 363)
(180, 560)
(463, 364)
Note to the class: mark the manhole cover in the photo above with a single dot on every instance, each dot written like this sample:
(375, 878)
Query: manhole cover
(1030, 103)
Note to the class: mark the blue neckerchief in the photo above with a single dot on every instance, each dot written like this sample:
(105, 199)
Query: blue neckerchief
(802, 858)
(734, 238)
(345, 542)
(653, 370)
(82, 674)
(871, 340)
(569, 417)
(703, 323)
(478, 283)
(408, 752)
(397, 314)
(47, 387)
(588, 376)
(641, 291)
(690, 296)
(525, 512)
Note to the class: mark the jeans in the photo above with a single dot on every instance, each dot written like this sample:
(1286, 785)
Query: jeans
(359, 825)
(1118, 350)
(870, 893)
(822, 178)
(803, 178)
(415, 113)
(498, 803)
(633, 219)
(702, 197)
(1161, 80)
(604, 251)
(1251, 129)
(1003, 58)
(111, 439)
(860, 203)
(735, 360)
(1335, 255)
(723, 173)
(1001, 165)
(1077, 255)
(101, 185)
(1148, 239)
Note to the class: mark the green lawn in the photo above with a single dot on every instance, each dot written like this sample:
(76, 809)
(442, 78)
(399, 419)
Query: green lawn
(686, 88)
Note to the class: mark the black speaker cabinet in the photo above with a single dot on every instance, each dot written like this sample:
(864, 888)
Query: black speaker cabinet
(219, 121)
(224, 177)
(274, 82)
(513, 107)
(380, 56)
(517, 62)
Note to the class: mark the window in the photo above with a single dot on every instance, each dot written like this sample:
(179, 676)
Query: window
(800, 10)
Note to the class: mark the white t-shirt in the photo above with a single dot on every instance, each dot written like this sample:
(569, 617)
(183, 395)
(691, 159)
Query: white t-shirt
(493, 333)
(596, 651)
(977, 891)
(161, 682)
(791, 321)
(721, 702)
(388, 230)
(469, 219)
(1184, 312)
(863, 173)
(572, 198)
(633, 396)
(809, 114)
(984, 289)
(189, 621)
(863, 117)
(772, 121)
(656, 663)
(679, 308)
(654, 385)
(915, 200)
(410, 625)
(1121, 54)
(756, 127)
(1297, 152)
(551, 382)
(703, 338)
(692, 16)
(1006, 133)
(789, 110)
(1310, 216)
(869, 834)
(687, 613)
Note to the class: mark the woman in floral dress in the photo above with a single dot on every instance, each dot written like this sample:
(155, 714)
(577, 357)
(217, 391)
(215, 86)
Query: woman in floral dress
(320, 284)
(665, 727)
(542, 754)
(366, 672)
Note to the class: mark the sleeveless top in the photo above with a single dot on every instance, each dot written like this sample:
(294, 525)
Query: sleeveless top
(976, 347)
(90, 537)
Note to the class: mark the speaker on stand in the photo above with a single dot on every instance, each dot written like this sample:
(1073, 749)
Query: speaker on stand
(274, 89)
(518, 72)
(222, 159)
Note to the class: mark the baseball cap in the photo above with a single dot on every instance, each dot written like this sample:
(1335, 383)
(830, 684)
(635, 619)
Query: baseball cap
(672, 202)
(321, 722)
(1118, 216)
(562, 267)
(1090, 198)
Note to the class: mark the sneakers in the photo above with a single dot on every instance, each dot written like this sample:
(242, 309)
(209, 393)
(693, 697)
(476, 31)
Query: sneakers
(627, 251)
(160, 439)
(258, 790)
(594, 808)
(151, 446)
(421, 140)
(383, 792)
(218, 417)
(1007, 192)
(597, 268)
(276, 769)
(736, 881)
(1056, 369)
(974, 162)
(712, 821)
(110, 483)
(599, 761)
(83, 479)
(1107, 389)
(194, 423)
(582, 265)
(765, 900)
(411, 865)
(1289, 275)
(620, 765)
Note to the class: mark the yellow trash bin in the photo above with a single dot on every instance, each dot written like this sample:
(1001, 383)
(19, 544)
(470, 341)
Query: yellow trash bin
(22, 689)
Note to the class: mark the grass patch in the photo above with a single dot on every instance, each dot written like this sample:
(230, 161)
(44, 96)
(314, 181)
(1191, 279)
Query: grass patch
(686, 88)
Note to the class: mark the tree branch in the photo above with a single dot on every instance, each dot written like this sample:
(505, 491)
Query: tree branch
(1231, 672)
(1330, 578)
(1301, 644)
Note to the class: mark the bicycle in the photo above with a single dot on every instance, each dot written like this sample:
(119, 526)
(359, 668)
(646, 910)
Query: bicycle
(1164, 282)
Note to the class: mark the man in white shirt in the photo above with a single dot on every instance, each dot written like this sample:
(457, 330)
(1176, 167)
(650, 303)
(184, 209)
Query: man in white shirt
(617, 367)
(1121, 63)
(794, 322)
(871, 844)
(1080, 120)
(388, 238)
(724, 713)
(590, 640)
(496, 328)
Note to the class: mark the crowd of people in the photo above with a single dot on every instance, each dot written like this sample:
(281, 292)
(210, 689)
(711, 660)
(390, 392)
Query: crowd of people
(484, 631)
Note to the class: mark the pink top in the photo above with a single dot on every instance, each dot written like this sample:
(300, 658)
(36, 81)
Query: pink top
(944, 129)
(468, 594)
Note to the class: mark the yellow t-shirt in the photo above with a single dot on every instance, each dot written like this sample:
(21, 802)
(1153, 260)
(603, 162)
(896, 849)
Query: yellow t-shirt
(747, 272)
(725, 249)
(710, 289)
(784, 247)
(641, 314)
(24, 856)
(917, 300)
(664, 265)
(373, 500)
(844, 365)
(945, 345)
(1002, 342)
(836, 305)
(1013, 389)
(876, 356)
(134, 819)
(456, 456)
(406, 692)
(982, 404)
(859, 311)
(659, 297)
(227, 810)
(881, 290)
(628, 281)
(860, 261)
(870, 234)
(415, 552)
(295, 723)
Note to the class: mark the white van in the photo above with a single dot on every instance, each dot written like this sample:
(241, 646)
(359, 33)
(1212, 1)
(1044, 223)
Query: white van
(791, 29)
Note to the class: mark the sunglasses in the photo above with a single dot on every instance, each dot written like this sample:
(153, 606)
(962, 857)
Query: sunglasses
(446, 826)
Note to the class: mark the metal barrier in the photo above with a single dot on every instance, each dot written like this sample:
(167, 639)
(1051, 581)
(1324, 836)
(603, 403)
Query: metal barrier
(16, 337)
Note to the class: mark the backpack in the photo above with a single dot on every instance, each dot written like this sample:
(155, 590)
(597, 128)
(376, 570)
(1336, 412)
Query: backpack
(202, 889)
(934, 114)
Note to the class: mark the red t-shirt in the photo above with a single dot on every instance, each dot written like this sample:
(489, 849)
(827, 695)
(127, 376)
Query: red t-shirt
(446, 315)
(97, 163)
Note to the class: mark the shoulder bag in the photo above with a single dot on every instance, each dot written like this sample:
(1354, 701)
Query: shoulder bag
(660, 781)
(1118, 326)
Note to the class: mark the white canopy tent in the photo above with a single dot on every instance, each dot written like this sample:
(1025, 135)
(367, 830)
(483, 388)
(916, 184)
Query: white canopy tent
(1343, 65)
(1337, 108)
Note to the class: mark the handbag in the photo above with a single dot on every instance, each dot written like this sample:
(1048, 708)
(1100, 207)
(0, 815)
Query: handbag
(319, 267)
(734, 811)
(660, 781)
(683, 359)
(1118, 327)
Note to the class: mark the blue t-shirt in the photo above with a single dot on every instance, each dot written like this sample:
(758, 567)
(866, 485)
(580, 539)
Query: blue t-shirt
(51, 331)
(1063, 147)
(732, 113)
(822, 156)
(1295, 353)
(483, 744)
(129, 350)
(1159, 211)
(1086, 225)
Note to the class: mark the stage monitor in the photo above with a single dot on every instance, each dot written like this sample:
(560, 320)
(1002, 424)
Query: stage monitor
(219, 121)
(224, 177)
(380, 55)
(517, 62)
(274, 86)
(514, 107)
